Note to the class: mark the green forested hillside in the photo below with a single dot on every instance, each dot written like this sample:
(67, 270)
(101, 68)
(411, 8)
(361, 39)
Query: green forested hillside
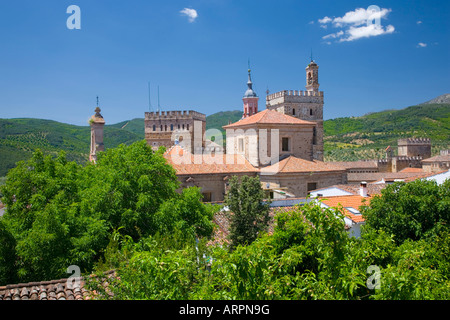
(220, 119)
(19, 138)
(348, 139)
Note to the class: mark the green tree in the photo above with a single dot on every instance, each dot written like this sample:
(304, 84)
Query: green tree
(7, 256)
(59, 213)
(250, 214)
(410, 210)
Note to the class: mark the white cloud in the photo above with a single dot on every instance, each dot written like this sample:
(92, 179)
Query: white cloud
(360, 16)
(333, 35)
(421, 45)
(325, 20)
(190, 13)
(372, 30)
(357, 24)
(419, 22)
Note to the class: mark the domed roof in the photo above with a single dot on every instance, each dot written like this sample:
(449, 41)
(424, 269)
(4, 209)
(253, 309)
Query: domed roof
(250, 93)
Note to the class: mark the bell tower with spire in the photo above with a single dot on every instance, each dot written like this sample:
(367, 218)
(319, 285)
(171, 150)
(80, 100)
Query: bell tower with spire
(312, 76)
(250, 98)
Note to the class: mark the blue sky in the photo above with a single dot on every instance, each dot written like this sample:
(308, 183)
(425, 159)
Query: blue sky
(200, 61)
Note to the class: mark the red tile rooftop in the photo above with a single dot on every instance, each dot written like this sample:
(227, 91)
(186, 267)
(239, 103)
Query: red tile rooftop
(268, 116)
(293, 164)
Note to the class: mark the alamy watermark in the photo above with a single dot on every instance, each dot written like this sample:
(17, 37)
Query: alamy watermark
(74, 20)
(374, 280)
(74, 280)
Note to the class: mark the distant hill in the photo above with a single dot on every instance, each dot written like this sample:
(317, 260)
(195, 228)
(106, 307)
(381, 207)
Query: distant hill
(220, 119)
(442, 99)
(366, 137)
(135, 126)
(19, 138)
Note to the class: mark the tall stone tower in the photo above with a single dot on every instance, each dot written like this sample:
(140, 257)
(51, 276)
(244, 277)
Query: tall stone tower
(312, 77)
(250, 99)
(97, 122)
(306, 105)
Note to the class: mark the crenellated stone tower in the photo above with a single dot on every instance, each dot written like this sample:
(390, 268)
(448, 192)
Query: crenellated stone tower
(306, 105)
(167, 128)
(97, 123)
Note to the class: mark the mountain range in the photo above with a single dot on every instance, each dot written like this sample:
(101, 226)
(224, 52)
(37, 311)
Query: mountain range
(345, 139)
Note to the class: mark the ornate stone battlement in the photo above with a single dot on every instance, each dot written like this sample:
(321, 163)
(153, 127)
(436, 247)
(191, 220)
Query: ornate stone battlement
(409, 141)
(166, 115)
(296, 93)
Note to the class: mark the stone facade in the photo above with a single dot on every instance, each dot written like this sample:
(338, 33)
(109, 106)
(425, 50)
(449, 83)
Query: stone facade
(437, 163)
(414, 147)
(167, 128)
(301, 183)
(256, 137)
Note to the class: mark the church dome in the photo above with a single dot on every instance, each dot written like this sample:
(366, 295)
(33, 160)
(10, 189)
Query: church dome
(250, 93)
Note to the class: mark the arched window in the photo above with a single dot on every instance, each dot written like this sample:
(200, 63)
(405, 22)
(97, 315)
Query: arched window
(293, 111)
(187, 126)
(171, 127)
(154, 127)
(310, 112)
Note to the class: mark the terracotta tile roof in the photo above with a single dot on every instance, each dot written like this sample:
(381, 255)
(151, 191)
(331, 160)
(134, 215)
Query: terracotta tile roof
(48, 290)
(207, 166)
(361, 164)
(415, 170)
(268, 116)
(348, 201)
(293, 164)
(424, 175)
(437, 158)
(378, 176)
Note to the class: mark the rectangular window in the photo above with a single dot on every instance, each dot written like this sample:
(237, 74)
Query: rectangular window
(314, 136)
(241, 145)
(284, 144)
(206, 196)
(311, 186)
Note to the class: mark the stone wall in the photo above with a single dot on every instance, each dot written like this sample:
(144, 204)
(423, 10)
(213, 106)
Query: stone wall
(258, 152)
(297, 183)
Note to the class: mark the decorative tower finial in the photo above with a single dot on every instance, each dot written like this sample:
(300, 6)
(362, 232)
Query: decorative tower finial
(311, 56)
(250, 98)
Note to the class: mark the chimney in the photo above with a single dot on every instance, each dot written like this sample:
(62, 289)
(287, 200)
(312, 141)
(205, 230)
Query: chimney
(363, 189)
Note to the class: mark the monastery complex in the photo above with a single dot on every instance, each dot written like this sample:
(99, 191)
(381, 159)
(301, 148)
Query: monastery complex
(282, 144)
